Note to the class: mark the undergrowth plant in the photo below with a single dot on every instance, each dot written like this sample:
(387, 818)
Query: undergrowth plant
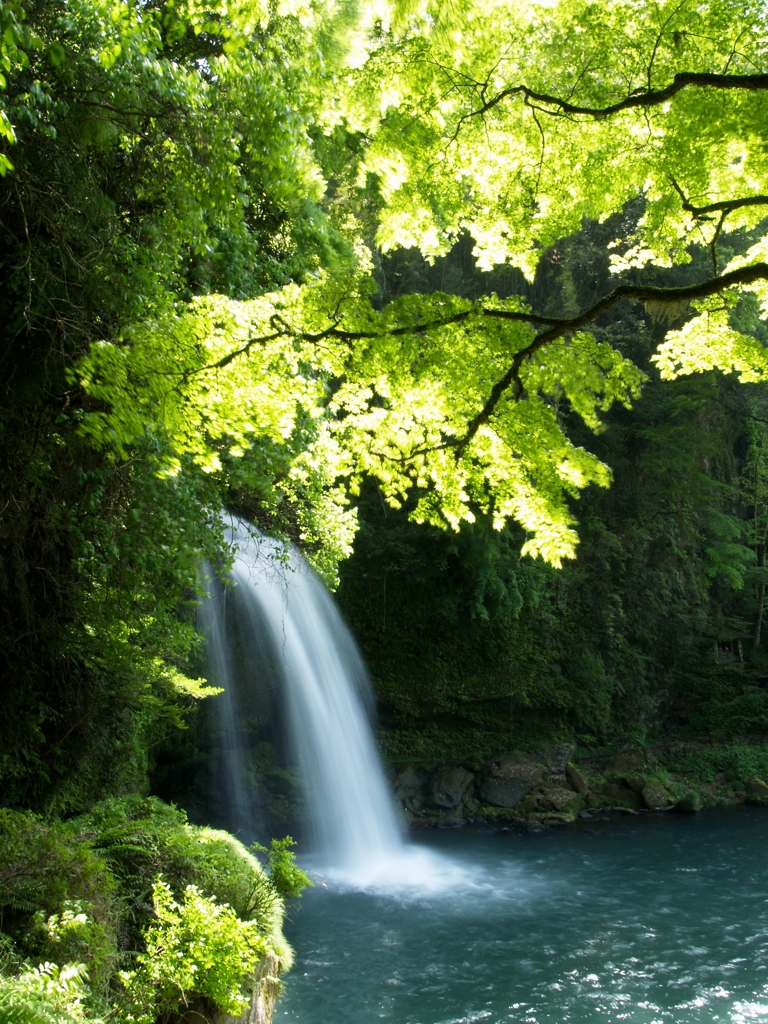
(130, 913)
(47, 994)
(195, 947)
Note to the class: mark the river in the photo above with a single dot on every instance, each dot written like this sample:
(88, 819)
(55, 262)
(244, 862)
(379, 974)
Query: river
(641, 920)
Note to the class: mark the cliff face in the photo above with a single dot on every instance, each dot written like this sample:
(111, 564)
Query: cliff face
(548, 788)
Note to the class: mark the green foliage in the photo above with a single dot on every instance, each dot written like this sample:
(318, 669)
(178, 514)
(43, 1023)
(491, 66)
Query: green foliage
(474, 649)
(731, 711)
(449, 740)
(195, 946)
(737, 761)
(287, 878)
(192, 197)
(149, 165)
(141, 838)
(129, 911)
(47, 994)
(512, 169)
(46, 872)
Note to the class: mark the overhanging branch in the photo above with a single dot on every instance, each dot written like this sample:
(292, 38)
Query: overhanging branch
(724, 206)
(554, 328)
(635, 293)
(643, 99)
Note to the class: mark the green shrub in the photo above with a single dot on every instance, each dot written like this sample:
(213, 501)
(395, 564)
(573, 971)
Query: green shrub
(47, 994)
(57, 896)
(193, 909)
(729, 714)
(196, 947)
(142, 838)
(738, 762)
(285, 876)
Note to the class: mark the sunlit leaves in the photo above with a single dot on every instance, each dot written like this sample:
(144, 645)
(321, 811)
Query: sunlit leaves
(349, 391)
(194, 946)
(469, 134)
(509, 122)
(590, 374)
(708, 342)
(172, 368)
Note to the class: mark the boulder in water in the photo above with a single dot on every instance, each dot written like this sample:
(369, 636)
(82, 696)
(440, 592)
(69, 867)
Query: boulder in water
(756, 791)
(509, 778)
(575, 779)
(448, 786)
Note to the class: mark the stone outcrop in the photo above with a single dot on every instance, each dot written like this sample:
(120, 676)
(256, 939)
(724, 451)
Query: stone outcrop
(576, 780)
(756, 791)
(511, 785)
(655, 796)
(556, 798)
(448, 786)
(556, 757)
(509, 778)
(546, 787)
(616, 794)
(636, 783)
(265, 992)
(408, 788)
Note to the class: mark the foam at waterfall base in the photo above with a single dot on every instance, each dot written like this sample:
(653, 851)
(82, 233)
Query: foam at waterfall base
(409, 870)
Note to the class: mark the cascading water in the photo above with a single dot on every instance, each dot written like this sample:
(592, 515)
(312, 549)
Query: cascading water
(356, 833)
(237, 797)
(355, 828)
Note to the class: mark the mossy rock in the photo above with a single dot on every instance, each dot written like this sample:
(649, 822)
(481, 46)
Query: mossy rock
(756, 792)
(655, 796)
(629, 762)
(557, 756)
(529, 804)
(636, 783)
(560, 800)
(614, 794)
(448, 786)
(689, 803)
(509, 778)
(576, 780)
(555, 818)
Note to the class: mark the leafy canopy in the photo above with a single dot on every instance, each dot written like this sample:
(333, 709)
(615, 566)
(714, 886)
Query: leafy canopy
(409, 124)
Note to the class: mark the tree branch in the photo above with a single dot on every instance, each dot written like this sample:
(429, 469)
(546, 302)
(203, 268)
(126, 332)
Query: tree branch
(646, 98)
(555, 327)
(724, 206)
(636, 293)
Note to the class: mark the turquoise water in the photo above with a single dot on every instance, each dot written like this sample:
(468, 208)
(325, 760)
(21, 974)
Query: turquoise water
(645, 920)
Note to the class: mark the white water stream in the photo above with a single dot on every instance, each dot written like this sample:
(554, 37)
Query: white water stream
(357, 837)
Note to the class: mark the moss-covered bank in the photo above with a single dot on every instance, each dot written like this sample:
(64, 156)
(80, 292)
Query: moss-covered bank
(129, 913)
(557, 783)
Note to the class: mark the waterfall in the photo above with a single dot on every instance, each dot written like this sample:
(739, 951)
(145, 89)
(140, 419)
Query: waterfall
(237, 799)
(326, 697)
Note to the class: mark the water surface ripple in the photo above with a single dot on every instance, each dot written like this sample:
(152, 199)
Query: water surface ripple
(645, 920)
